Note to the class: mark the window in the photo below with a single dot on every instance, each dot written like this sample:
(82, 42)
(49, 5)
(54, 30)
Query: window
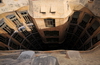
(83, 24)
(71, 28)
(25, 32)
(74, 39)
(49, 22)
(87, 46)
(37, 36)
(31, 38)
(52, 39)
(18, 37)
(3, 39)
(91, 19)
(90, 30)
(51, 33)
(79, 44)
(3, 48)
(94, 26)
(85, 20)
(68, 37)
(84, 37)
(29, 21)
(96, 39)
(26, 44)
(68, 41)
(33, 28)
(15, 20)
(78, 31)
(26, 17)
(14, 45)
(36, 45)
(75, 17)
(6, 27)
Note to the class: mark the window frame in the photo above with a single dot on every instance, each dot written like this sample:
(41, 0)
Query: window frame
(49, 22)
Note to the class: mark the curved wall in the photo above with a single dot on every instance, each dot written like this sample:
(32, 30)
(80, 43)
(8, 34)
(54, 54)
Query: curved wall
(79, 30)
